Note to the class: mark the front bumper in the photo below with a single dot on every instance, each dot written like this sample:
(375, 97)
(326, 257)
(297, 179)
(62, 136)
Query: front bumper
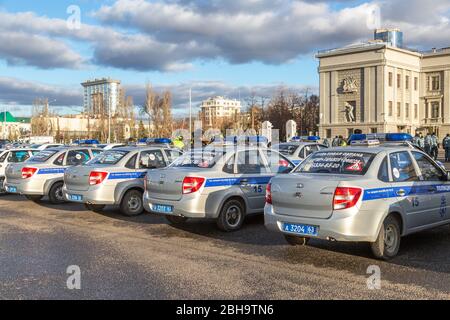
(190, 206)
(362, 226)
(101, 195)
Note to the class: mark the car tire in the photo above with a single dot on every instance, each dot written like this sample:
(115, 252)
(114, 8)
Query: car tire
(176, 219)
(94, 207)
(132, 204)
(56, 194)
(34, 198)
(296, 241)
(231, 216)
(387, 244)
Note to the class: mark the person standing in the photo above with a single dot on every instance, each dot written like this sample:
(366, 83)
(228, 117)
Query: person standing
(416, 139)
(326, 142)
(434, 146)
(335, 142)
(421, 142)
(446, 146)
(427, 144)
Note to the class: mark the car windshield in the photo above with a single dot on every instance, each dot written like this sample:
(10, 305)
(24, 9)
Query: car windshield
(286, 149)
(337, 162)
(205, 159)
(109, 157)
(43, 156)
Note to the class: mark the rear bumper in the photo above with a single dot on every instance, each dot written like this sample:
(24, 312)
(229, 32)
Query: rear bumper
(190, 206)
(359, 226)
(30, 187)
(102, 195)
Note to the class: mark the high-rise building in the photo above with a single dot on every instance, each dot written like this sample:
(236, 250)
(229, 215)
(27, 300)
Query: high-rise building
(101, 96)
(393, 37)
(217, 109)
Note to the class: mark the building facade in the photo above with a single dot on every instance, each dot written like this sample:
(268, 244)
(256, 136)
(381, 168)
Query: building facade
(377, 87)
(13, 127)
(101, 96)
(216, 110)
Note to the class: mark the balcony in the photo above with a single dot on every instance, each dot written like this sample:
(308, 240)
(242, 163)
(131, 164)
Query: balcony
(432, 121)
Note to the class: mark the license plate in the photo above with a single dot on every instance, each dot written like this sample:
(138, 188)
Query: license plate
(301, 229)
(162, 208)
(75, 197)
(11, 189)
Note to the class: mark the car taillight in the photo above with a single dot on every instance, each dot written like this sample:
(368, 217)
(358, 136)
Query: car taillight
(283, 163)
(269, 194)
(97, 177)
(192, 184)
(28, 172)
(345, 198)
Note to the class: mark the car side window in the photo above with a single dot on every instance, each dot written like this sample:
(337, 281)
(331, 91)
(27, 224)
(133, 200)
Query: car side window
(307, 150)
(250, 162)
(155, 160)
(77, 157)
(402, 167)
(131, 164)
(60, 160)
(383, 173)
(172, 155)
(3, 157)
(429, 171)
(277, 162)
(229, 165)
(96, 152)
(18, 156)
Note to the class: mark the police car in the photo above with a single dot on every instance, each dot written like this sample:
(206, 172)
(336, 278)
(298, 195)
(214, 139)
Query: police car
(42, 175)
(374, 193)
(115, 177)
(225, 184)
(45, 146)
(12, 156)
(299, 148)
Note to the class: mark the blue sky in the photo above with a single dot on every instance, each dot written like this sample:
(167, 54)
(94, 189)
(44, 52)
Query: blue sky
(217, 47)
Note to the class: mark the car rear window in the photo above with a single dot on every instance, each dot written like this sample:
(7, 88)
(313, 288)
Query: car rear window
(43, 156)
(109, 157)
(286, 149)
(204, 160)
(352, 163)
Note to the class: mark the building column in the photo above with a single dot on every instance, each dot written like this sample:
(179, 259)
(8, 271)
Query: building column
(380, 105)
(446, 102)
(334, 84)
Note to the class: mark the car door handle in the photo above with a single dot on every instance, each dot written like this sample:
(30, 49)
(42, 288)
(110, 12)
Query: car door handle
(401, 193)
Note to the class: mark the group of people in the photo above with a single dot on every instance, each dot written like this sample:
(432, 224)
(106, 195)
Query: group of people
(337, 141)
(430, 144)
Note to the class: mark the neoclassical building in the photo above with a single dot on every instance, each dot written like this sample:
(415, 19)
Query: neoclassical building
(379, 87)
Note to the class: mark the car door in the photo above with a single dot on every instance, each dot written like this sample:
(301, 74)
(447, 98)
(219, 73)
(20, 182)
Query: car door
(414, 196)
(253, 177)
(437, 186)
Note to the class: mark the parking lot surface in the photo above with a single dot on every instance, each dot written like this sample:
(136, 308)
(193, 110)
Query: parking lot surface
(145, 258)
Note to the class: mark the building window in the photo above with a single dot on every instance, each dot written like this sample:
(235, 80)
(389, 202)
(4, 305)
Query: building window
(435, 110)
(390, 111)
(407, 110)
(390, 79)
(399, 81)
(407, 83)
(416, 83)
(399, 109)
(328, 133)
(435, 83)
(416, 111)
(373, 130)
(350, 131)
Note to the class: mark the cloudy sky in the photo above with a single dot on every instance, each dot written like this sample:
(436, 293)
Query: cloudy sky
(217, 47)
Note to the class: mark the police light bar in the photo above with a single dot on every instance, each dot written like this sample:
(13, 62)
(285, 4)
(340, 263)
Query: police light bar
(305, 138)
(365, 143)
(390, 137)
(87, 142)
(155, 141)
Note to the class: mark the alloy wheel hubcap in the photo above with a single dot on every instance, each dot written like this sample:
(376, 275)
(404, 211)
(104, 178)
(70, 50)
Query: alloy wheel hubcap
(134, 203)
(233, 216)
(390, 238)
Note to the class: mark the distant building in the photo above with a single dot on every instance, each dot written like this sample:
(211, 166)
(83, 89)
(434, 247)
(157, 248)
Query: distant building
(101, 96)
(393, 37)
(13, 127)
(218, 109)
(378, 87)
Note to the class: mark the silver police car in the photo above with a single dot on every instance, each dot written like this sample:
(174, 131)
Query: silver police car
(116, 177)
(374, 194)
(12, 156)
(224, 184)
(297, 151)
(42, 175)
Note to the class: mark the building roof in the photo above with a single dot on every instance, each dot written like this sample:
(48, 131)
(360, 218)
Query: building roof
(8, 117)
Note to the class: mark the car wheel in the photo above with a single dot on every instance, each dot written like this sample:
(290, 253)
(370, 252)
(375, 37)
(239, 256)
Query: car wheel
(94, 207)
(388, 242)
(56, 193)
(132, 204)
(176, 219)
(231, 216)
(296, 241)
(34, 198)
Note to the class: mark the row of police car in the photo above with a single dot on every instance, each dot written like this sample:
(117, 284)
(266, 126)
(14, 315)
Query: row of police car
(377, 190)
